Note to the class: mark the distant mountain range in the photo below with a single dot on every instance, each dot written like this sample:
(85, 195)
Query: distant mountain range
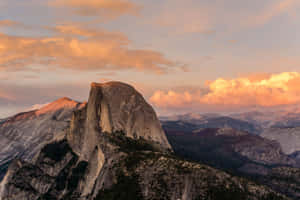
(282, 125)
(279, 117)
(213, 121)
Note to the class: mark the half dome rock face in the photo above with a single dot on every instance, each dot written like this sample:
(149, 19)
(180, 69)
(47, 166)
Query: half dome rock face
(122, 108)
(116, 107)
(112, 108)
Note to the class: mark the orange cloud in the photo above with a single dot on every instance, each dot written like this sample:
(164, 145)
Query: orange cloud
(276, 9)
(186, 17)
(272, 90)
(97, 50)
(76, 30)
(6, 96)
(8, 23)
(210, 17)
(103, 8)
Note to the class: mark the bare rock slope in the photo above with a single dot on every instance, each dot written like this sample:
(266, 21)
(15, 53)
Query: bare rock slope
(23, 135)
(288, 137)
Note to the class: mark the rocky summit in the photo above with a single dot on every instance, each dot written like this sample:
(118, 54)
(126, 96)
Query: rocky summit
(116, 149)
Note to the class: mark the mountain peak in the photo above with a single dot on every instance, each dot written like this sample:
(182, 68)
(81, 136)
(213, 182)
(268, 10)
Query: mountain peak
(111, 84)
(113, 107)
(59, 104)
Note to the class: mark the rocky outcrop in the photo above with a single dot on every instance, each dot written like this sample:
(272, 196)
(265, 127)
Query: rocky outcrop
(23, 135)
(122, 108)
(114, 107)
(289, 138)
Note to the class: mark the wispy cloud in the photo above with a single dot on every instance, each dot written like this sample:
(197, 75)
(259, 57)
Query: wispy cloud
(98, 50)
(107, 9)
(185, 17)
(275, 9)
(210, 17)
(7, 23)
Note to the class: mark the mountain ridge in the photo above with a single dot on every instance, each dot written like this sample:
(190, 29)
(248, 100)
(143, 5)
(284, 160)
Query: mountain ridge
(24, 134)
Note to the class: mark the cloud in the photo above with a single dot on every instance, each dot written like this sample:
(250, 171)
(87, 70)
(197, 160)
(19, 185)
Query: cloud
(5, 96)
(77, 30)
(36, 106)
(107, 9)
(14, 24)
(77, 48)
(186, 17)
(5, 23)
(260, 90)
(276, 9)
(212, 17)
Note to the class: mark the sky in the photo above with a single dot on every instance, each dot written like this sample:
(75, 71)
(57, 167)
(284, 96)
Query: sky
(183, 56)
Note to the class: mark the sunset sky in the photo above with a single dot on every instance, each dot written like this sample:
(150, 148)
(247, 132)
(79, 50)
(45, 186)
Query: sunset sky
(183, 56)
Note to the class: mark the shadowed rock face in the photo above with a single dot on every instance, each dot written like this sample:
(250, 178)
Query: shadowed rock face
(23, 135)
(289, 138)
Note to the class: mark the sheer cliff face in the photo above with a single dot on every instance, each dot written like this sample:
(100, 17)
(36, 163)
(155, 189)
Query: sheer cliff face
(114, 107)
(123, 108)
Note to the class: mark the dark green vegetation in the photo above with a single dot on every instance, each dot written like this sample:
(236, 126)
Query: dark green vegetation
(126, 188)
(220, 193)
(284, 180)
(127, 184)
(129, 145)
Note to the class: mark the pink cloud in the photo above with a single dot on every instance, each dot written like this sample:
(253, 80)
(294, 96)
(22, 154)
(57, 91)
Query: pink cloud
(263, 90)
(98, 50)
(106, 9)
